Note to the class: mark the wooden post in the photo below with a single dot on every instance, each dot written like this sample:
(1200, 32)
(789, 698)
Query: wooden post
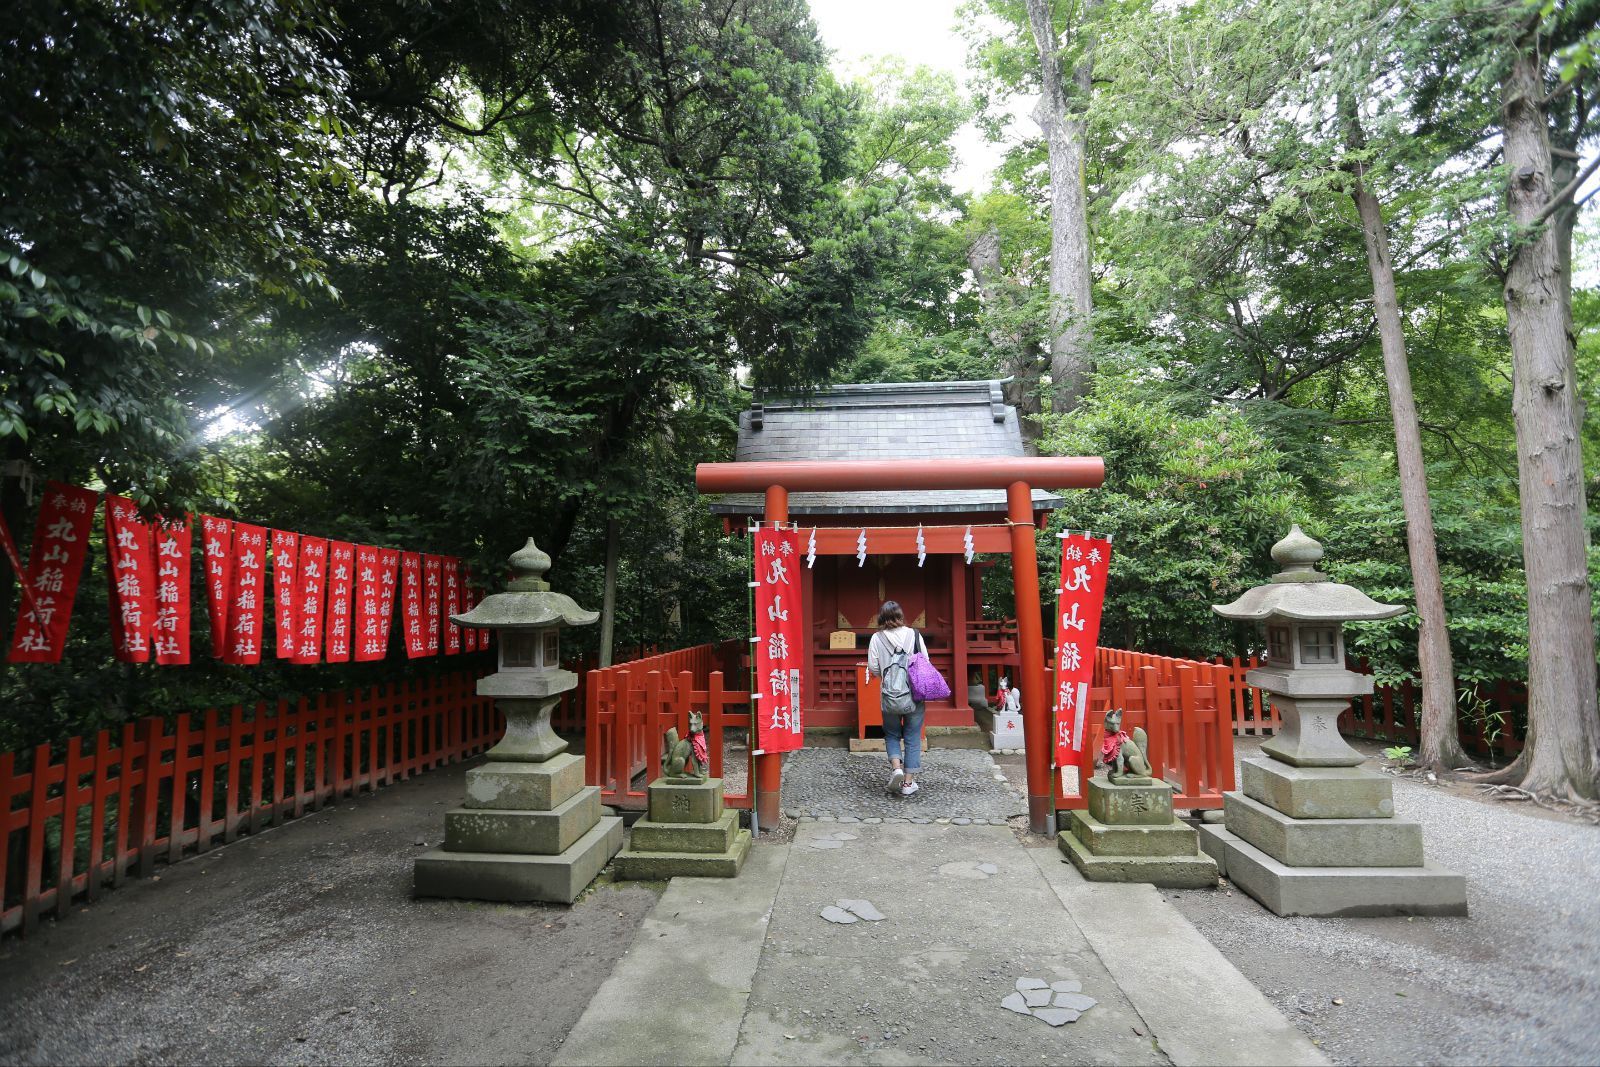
(958, 622)
(808, 635)
(1036, 731)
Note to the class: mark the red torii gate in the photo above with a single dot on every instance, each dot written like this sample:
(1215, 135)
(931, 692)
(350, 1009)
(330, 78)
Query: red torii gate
(1018, 476)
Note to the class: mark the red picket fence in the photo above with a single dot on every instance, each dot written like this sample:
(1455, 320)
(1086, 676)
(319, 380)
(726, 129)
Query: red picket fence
(568, 717)
(1390, 713)
(105, 811)
(1186, 717)
(630, 707)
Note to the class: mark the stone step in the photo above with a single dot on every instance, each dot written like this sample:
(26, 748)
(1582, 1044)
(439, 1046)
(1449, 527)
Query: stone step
(1335, 891)
(1323, 842)
(1176, 838)
(1318, 792)
(497, 876)
(672, 801)
(525, 786)
(1195, 871)
(650, 836)
(657, 866)
(542, 833)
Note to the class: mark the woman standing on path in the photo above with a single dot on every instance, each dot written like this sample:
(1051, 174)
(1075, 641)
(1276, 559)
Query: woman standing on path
(888, 653)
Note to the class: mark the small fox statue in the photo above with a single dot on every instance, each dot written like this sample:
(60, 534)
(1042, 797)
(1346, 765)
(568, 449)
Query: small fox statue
(1121, 755)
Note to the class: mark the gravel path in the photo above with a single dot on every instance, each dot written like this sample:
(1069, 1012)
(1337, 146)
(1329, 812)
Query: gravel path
(303, 945)
(957, 784)
(1517, 981)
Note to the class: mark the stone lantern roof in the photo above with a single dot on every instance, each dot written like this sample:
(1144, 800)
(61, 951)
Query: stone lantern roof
(528, 600)
(1302, 593)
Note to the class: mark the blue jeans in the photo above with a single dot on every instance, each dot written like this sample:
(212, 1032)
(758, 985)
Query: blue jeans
(907, 730)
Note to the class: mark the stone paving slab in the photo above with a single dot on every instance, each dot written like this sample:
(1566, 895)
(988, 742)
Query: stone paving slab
(1201, 1007)
(932, 974)
(680, 995)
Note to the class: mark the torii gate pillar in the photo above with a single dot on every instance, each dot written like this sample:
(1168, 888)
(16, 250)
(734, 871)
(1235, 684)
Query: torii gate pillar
(1036, 703)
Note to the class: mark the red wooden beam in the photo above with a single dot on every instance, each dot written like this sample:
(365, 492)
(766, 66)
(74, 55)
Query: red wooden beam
(842, 476)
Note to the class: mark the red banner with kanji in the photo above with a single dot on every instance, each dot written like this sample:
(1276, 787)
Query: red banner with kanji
(247, 596)
(452, 605)
(131, 574)
(217, 551)
(432, 600)
(477, 636)
(411, 620)
(285, 586)
(312, 588)
(469, 600)
(169, 635)
(388, 589)
(1085, 561)
(780, 655)
(365, 601)
(55, 566)
(341, 583)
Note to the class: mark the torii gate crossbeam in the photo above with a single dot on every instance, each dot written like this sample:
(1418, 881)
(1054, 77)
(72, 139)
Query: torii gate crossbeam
(1018, 476)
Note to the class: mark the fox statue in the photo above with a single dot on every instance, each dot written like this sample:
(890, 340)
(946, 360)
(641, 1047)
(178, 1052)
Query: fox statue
(685, 760)
(1124, 757)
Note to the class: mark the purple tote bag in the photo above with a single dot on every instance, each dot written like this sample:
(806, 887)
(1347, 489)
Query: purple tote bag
(926, 681)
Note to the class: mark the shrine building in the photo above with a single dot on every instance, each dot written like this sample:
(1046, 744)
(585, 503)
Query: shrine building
(919, 425)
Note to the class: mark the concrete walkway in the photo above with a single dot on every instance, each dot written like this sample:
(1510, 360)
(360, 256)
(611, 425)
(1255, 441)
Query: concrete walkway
(758, 977)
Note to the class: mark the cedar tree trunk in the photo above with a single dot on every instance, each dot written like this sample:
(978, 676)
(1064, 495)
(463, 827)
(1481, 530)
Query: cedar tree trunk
(1016, 353)
(608, 600)
(1071, 299)
(1561, 756)
(1441, 744)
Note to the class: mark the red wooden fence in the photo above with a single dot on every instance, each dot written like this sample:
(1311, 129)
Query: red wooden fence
(1186, 716)
(156, 791)
(650, 696)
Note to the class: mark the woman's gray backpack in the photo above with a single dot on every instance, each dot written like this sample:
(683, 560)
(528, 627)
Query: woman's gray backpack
(895, 695)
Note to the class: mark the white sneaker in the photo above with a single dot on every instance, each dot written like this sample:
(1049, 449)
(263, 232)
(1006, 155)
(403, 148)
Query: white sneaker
(909, 788)
(897, 779)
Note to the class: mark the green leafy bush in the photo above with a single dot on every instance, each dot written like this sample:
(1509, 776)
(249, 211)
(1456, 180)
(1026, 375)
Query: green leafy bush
(1194, 498)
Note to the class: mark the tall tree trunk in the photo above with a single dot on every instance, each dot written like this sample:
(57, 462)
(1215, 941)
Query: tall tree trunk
(608, 599)
(1441, 744)
(1015, 353)
(1064, 128)
(1561, 755)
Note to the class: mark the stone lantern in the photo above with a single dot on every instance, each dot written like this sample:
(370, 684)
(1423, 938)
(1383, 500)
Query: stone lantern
(529, 828)
(1312, 831)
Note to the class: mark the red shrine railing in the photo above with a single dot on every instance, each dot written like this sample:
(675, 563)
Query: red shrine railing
(630, 707)
(1184, 711)
(111, 808)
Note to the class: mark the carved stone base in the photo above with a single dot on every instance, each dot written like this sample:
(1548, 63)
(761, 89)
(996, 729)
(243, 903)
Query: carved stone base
(1308, 735)
(1126, 804)
(1332, 891)
(688, 833)
(529, 737)
(555, 879)
(672, 801)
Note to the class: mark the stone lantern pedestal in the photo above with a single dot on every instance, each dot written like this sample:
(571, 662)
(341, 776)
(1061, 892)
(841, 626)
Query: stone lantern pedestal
(1312, 831)
(529, 828)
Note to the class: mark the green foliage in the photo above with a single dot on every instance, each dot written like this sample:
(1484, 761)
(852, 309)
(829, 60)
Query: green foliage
(143, 144)
(1194, 496)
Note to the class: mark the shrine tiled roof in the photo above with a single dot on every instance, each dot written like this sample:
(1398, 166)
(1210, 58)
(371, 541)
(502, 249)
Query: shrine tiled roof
(914, 422)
